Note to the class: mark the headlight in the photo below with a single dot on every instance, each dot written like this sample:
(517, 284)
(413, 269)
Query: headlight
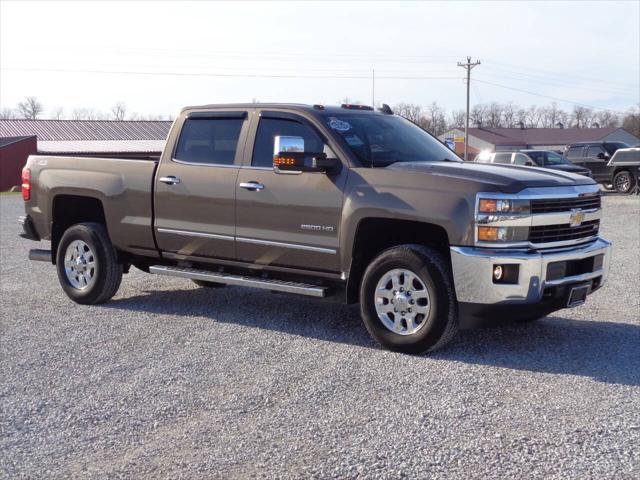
(502, 220)
(501, 205)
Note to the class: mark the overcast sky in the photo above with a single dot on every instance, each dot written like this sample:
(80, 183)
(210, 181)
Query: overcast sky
(159, 56)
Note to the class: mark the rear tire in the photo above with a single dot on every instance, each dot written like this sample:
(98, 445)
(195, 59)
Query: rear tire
(205, 284)
(87, 264)
(407, 299)
(623, 181)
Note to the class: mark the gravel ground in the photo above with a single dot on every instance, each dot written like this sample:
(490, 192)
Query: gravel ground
(172, 381)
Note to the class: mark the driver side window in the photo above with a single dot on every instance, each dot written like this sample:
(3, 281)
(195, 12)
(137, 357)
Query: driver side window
(594, 150)
(270, 128)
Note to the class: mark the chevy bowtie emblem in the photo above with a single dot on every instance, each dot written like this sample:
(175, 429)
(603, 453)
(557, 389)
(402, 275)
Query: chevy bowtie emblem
(576, 218)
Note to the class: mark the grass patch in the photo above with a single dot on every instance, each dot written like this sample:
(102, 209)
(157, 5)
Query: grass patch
(7, 194)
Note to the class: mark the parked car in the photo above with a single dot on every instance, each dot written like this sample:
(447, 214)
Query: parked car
(596, 157)
(341, 202)
(624, 170)
(535, 158)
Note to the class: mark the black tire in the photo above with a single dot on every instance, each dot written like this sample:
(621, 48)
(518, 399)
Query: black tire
(623, 181)
(433, 270)
(107, 273)
(205, 284)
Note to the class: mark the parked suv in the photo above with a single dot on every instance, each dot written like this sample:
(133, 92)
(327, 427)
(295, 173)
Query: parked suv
(536, 158)
(330, 202)
(595, 156)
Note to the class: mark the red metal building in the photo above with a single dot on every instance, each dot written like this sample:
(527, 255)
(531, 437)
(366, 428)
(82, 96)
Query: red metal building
(14, 152)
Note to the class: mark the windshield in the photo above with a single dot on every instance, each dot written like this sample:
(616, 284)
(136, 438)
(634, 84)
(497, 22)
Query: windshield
(553, 158)
(611, 147)
(380, 140)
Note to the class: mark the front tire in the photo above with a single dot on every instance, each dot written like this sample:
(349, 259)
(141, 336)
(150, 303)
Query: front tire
(87, 264)
(407, 299)
(623, 181)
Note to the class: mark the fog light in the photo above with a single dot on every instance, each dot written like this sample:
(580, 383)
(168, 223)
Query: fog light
(497, 272)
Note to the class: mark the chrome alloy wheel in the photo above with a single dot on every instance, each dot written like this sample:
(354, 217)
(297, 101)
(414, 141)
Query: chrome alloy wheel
(402, 301)
(623, 182)
(80, 265)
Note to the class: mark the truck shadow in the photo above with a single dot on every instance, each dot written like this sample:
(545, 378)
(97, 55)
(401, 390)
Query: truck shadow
(605, 351)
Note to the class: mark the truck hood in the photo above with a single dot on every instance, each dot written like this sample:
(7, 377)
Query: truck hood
(506, 178)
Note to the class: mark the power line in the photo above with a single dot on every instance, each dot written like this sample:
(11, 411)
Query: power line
(230, 75)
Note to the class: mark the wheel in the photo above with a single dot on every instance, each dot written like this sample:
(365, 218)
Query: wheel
(87, 264)
(407, 299)
(202, 283)
(623, 181)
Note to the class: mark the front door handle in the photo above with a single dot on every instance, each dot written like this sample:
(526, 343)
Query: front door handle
(170, 180)
(253, 186)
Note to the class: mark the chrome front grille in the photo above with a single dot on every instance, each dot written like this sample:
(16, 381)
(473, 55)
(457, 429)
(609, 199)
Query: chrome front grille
(563, 232)
(551, 205)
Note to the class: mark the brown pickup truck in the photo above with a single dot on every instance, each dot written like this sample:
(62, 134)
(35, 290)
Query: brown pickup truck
(346, 203)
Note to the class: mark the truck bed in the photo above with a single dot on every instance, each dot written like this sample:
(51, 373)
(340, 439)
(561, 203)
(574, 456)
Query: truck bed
(123, 186)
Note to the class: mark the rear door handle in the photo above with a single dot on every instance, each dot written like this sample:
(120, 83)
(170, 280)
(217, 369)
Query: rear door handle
(170, 180)
(253, 186)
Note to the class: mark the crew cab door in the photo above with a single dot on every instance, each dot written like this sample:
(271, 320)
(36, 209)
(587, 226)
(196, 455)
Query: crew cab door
(195, 186)
(285, 219)
(596, 160)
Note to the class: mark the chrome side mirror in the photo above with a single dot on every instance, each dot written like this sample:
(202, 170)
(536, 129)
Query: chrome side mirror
(283, 143)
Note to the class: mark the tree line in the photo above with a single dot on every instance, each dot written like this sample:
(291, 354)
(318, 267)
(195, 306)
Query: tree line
(437, 121)
(432, 117)
(32, 109)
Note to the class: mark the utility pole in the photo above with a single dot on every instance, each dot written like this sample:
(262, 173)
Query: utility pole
(467, 66)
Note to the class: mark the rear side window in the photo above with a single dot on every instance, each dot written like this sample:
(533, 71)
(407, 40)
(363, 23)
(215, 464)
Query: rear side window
(575, 151)
(520, 159)
(502, 158)
(209, 140)
(270, 128)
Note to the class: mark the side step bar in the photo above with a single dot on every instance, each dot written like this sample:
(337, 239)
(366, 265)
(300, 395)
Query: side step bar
(227, 279)
(39, 255)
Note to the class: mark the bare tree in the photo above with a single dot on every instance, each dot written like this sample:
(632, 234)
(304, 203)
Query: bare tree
(31, 108)
(477, 114)
(57, 113)
(457, 118)
(581, 116)
(494, 115)
(436, 122)
(509, 115)
(87, 114)
(631, 121)
(7, 113)
(410, 111)
(534, 117)
(119, 111)
(606, 118)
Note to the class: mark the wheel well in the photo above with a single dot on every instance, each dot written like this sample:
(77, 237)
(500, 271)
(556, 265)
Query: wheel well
(69, 210)
(374, 235)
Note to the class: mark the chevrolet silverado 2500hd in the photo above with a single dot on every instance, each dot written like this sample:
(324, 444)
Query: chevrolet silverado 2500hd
(341, 202)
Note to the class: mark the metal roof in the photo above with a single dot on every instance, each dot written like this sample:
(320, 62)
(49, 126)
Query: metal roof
(539, 136)
(101, 146)
(52, 130)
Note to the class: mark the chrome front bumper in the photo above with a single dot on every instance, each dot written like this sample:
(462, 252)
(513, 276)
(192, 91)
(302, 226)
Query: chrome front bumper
(473, 272)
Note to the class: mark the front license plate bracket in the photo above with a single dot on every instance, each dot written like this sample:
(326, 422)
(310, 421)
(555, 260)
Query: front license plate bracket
(577, 295)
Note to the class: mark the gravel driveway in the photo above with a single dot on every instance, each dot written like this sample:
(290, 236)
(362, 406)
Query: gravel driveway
(173, 381)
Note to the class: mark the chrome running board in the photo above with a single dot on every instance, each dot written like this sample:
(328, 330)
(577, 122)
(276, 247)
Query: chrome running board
(227, 279)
